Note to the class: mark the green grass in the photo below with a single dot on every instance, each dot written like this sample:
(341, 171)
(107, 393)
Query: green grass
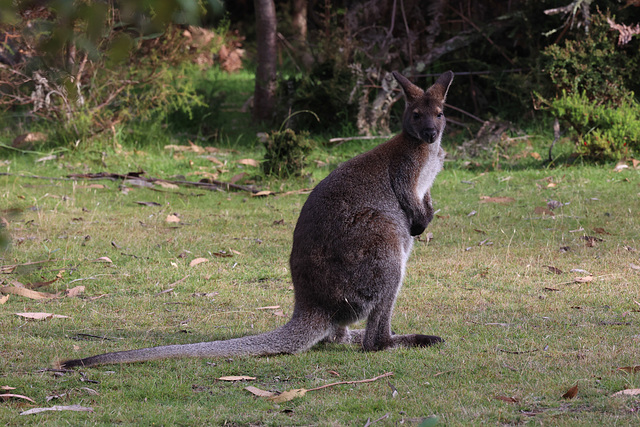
(513, 328)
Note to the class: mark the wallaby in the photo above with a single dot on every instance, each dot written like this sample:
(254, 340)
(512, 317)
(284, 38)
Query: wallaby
(350, 245)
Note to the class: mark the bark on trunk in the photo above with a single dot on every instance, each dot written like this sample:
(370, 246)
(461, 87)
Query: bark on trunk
(265, 90)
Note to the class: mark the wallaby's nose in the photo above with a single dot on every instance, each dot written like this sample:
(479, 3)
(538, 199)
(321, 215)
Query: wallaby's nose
(429, 135)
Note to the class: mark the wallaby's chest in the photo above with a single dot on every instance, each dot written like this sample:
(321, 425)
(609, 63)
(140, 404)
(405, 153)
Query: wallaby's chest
(428, 171)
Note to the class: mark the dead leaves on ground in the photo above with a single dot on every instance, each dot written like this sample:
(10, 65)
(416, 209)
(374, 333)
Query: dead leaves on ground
(76, 408)
(41, 316)
(500, 200)
(288, 395)
(197, 261)
(571, 393)
(234, 378)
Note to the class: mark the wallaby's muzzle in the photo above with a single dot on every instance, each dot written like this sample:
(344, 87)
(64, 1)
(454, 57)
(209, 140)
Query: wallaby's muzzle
(429, 135)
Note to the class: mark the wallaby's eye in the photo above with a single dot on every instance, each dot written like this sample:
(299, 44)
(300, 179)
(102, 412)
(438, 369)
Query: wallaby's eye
(416, 115)
(440, 115)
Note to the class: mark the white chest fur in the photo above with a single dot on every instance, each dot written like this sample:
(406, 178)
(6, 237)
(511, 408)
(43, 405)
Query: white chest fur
(430, 169)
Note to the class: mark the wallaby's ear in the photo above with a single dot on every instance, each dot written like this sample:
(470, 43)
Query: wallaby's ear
(441, 86)
(410, 90)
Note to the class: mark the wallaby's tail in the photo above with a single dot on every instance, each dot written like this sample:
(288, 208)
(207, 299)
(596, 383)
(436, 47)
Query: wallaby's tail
(295, 336)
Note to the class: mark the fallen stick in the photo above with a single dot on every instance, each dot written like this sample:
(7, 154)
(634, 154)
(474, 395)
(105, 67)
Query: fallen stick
(369, 380)
(354, 138)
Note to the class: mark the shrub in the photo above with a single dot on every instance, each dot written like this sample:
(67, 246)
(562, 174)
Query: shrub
(103, 71)
(593, 64)
(605, 130)
(286, 152)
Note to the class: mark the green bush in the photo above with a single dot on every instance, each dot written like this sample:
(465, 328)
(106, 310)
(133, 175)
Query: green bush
(286, 152)
(605, 130)
(593, 64)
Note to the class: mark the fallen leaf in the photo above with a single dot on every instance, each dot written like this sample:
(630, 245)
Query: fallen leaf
(237, 177)
(263, 193)
(585, 279)
(34, 285)
(630, 369)
(19, 396)
(24, 140)
(535, 155)
(4, 299)
(628, 392)
(591, 240)
(554, 204)
(553, 269)
(74, 292)
(249, 162)
(6, 387)
(165, 184)
(279, 313)
(90, 391)
(600, 230)
(487, 199)
(76, 408)
(268, 307)
(215, 160)
(571, 393)
(41, 316)
(288, 395)
(552, 185)
(172, 218)
(192, 147)
(105, 259)
(258, 392)
(507, 399)
(207, 176)
(620, 167)
(27, 293)
(394, 390)
(197, 261)
(222, 254)
(237, 378)
(635, 163)
(543, 211)
(634, 266)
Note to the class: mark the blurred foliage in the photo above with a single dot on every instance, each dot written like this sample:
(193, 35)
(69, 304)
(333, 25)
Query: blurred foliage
(86, 67)
(325, 91)
(605, 131)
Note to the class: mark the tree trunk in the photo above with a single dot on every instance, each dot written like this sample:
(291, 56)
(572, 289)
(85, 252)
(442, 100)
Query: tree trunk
(265, 91)
(299, 19)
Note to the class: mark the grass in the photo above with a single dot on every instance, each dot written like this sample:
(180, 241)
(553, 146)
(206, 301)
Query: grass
(513, 327)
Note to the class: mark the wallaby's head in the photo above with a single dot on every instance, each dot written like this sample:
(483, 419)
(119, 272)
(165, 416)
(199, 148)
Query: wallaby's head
(423, 117)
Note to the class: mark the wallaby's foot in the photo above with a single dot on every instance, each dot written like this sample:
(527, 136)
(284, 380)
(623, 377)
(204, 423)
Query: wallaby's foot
(417, 340)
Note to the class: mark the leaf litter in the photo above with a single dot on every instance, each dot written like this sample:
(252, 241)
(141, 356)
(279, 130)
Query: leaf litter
(288, 395)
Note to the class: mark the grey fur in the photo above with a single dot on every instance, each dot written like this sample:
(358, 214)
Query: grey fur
(350, 245)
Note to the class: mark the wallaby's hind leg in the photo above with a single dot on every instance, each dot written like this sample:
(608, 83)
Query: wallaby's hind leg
(377, 335)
